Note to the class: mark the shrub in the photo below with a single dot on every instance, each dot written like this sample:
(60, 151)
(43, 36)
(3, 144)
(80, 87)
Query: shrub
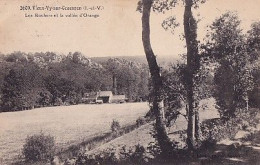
(106, 157)
(140, 121)
(251, 137)
(39, 148)
(115, 126)
(207, 145)
(133, 155)
(154, 149)
(217, 129)
(57, 102)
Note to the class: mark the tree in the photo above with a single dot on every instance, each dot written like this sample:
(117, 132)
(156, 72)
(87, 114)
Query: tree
(253, 41)
(253, 48)
(129, 78)
(193, 65)
(11, 91)
(192, 73)
(233, 79)
(158, 108)
(20, 87)
(45, 79)
(174, 92)
(44, 98)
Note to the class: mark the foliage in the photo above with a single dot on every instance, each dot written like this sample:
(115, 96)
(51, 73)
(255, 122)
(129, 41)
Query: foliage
(133, 155)
(170, 24)
(218, 129)
(192, 74)
(233, 77)
(174, 92)
(252, 137)
(141, 121)
(253, 41)
(44, 98)
(155, 149)
(105, 157)
(162, 6)
(131, 78)
(39, 148)
(115, 126)
(20, 88)
(253, 48)
(254, 97)
(50, 79)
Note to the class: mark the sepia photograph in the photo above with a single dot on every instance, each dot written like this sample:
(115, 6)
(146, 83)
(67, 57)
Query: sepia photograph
(129, 82)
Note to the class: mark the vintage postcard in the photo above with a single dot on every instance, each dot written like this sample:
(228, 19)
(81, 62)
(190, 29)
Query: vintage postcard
(129, 82)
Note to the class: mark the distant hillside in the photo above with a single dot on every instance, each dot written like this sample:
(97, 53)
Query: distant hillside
(163, 61)
(29, 80)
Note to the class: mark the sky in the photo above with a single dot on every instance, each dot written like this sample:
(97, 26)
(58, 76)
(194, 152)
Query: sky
(116, 32)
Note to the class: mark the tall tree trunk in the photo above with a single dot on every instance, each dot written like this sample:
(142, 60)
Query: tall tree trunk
(158, 107)
(114, 85)
(197, 124)
(190, 30)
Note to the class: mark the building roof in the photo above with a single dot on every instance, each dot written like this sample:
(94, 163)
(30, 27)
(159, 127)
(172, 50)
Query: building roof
(104, 93)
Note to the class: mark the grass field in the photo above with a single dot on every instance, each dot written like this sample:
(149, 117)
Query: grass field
(68, 124)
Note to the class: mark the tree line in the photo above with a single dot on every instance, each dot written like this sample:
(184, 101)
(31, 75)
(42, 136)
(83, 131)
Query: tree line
(48, 79)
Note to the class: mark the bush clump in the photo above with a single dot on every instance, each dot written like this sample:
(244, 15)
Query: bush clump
(39, 147)
(107, 157)
(124, 156)
(140, 121)
(219, 129)
(115, 126)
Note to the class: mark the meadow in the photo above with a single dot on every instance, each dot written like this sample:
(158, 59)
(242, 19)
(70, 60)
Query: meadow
(68, 124)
